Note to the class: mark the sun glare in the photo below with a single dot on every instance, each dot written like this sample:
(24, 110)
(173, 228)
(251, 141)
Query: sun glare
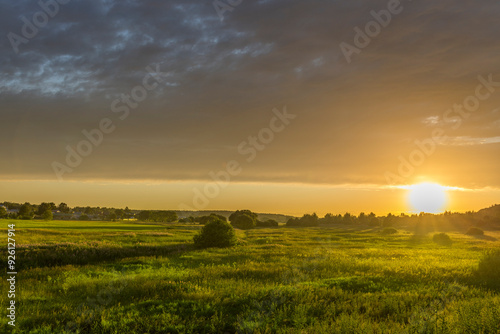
(428, 197)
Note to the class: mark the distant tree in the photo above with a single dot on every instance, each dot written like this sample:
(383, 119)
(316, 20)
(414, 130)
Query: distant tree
(389, 221)
(144, 215)
(293, 221)
(47, 215)
(26, 211)
(164, 216)
(234, 215)
(3, 212)
(309, 220)
(243, 221)
(267, 223)
(348, 218)
(112, 216)
(328, 219)
(216, 233)
(84, 217)
(189, 219)
(331, 219)
(128, 213)
(373, 221)
(305, 220)
(42, 208)
(206, 219)
(63, 207)
(158, 216)
(120, 213)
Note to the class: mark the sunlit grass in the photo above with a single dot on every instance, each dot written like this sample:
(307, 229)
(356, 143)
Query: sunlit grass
(137, 278)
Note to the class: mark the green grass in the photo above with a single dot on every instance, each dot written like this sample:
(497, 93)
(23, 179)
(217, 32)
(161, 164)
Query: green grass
(125, 277)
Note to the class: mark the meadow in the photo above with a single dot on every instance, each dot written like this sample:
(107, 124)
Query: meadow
(131, 277)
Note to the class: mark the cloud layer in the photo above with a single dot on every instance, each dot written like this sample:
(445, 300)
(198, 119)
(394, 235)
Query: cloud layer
(223, 78)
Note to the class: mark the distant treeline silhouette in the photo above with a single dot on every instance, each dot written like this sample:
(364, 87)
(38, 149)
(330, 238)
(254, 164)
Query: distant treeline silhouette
(488, 218)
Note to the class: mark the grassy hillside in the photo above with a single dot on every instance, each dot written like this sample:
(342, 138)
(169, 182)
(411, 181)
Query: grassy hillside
(106, 277)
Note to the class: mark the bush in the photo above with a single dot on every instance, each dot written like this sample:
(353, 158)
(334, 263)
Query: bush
(389, 230)
(243, 222)
(267, 223)
(216, 233)
(488, 270)
(475, 231)
(442, 239)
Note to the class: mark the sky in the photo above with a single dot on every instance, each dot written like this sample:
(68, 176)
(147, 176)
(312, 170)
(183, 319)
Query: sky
(271, 105)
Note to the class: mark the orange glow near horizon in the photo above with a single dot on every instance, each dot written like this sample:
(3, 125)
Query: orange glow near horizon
(292, 199)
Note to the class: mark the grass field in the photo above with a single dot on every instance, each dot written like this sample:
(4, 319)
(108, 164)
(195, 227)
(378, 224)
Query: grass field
(126, 277)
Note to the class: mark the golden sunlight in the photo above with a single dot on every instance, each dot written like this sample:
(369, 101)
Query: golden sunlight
(428, 197)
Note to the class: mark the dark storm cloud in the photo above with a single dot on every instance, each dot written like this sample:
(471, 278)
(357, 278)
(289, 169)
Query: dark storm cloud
(225, 77)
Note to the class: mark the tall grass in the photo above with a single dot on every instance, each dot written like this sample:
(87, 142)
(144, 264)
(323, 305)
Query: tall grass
(130, 278)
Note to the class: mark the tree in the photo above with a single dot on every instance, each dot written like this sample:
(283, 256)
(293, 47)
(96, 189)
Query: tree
(331, 219)
(26, 211)
(206, 219)
(267, 223)
(128, 213)
(217, 233)
(373, 220)
(348, 218)
(189, 219)
(144, 215)
(120, 213)
(243, 219)
(42, 208)
(47, 215)
(389, 220)
(305, 220)
(112, 216)
(235, 215)
(309, 220)
(244, 222)
(294, 221)
(158, 216)
(3, 212)
(63, 207)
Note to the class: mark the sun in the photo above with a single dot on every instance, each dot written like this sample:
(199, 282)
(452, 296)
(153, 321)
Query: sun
(428, 197)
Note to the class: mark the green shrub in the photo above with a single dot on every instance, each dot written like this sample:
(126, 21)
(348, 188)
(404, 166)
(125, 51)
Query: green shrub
(442, 239)
(216, 233)
(488, 270)
(389, 230)
(475, 231)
